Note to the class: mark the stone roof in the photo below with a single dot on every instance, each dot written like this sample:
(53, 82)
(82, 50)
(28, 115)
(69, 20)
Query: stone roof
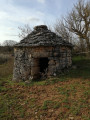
(41, 36)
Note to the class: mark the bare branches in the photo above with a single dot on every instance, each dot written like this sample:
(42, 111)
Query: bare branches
(9, 43)
(78, 23)
(78, 20)
(24, 31)
(61, 30)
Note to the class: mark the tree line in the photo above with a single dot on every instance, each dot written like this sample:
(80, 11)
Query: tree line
(7, 46)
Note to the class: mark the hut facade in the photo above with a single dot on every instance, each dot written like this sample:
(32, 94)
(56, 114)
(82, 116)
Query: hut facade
(41, 53)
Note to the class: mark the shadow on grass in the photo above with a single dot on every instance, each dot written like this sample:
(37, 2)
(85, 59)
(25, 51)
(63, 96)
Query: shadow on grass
(82, 69)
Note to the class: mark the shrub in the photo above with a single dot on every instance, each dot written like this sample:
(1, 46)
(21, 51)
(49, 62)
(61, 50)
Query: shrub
(4, 58)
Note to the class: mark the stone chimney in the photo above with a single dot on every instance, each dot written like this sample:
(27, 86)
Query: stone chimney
(40, 28)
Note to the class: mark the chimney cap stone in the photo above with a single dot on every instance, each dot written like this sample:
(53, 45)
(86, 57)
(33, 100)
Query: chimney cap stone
(40, 27)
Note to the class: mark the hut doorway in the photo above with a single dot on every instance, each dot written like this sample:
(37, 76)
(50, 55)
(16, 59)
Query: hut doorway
(43, 64)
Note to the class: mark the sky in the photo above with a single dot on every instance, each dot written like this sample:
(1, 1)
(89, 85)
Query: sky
(17, 13)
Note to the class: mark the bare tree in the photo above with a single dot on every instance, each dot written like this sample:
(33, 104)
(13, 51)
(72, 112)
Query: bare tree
(61, 30)
(9, 43)
(78, 22)
(24, 31)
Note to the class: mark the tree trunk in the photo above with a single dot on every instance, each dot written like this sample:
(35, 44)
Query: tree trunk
(82, 45)
(88, 47)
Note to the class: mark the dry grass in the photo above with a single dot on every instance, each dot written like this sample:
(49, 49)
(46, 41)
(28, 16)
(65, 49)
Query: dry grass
(4, 58)
(6, 68)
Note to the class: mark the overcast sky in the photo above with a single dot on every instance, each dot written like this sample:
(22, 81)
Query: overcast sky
(15, 13)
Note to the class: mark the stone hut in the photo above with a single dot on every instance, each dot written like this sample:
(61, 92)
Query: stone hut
(41, 53)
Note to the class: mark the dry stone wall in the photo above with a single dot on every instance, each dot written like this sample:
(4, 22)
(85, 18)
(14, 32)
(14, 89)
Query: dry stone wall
(26, 65)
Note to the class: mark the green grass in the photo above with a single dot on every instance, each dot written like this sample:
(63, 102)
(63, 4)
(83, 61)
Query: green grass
(50, 104)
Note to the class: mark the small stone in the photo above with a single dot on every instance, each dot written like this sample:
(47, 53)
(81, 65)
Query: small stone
(40, 116)
(27, 82)
(30, 78)
(54, 74)
(35, 113)
(52, 110)
(71, 117)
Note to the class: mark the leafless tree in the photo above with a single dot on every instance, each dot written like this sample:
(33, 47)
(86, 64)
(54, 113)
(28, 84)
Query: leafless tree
(24, 31)
(9, 43)
(78, 22)
(61, 30)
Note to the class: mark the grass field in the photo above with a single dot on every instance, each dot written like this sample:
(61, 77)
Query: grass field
(65, 97)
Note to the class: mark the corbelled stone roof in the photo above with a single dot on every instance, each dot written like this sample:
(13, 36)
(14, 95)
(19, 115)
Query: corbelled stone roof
(41, 36)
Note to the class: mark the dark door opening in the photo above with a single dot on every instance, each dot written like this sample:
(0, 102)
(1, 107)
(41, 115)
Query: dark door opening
(43, 64)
